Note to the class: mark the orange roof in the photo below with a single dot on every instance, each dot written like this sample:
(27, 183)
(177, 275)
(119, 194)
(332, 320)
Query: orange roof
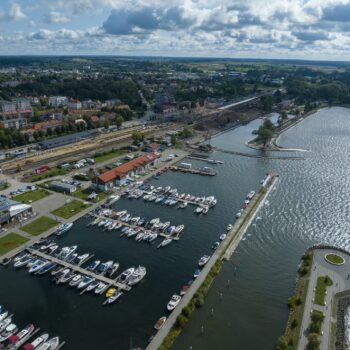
(153, 145)
(125, 168)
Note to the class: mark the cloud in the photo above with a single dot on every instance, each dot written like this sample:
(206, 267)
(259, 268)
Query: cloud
(14, 13)
(337, 13)
(54, 17)
(311, 35)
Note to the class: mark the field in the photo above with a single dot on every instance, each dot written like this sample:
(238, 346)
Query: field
(31, 196)
(84, 194)
(321, 286)
(10, 241)
(108, 155)
(70, 209)
(39, 226)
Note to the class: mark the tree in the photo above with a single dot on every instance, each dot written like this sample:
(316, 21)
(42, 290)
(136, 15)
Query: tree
(119, 121)
(314, 343)
(49, 132)
(173, 140)
(187, 131)
(265, 135)
(137, 137)
(106, 124)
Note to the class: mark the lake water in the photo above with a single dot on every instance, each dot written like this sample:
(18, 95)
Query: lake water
(309, 204)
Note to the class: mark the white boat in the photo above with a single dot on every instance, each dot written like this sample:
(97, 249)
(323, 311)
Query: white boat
(174, 301)
(3, 315)
(203, 260)
(125, 275)
(3, 324)
(101, 287)
(102, 223)
(183, 205)
(63, 228)
(114, 297)
(95, 222)
(238, 215)
(179, 229)
(250, 195)
(137, 275)
(93, 265)
(36, 342)
(152, 237)
(222, 237)
(154, 221)
(112, 270)
(229, 227)
(92, 286)
(112, 199)
(16, 339)
(81, 258)
(52, 249)
(9, 330)
(205, 210)
(24, 261)
(76, 279)
(198, 210)
(165, 242)
(102, 269)
(139, 236)
(85, 282)
(38, 266)
(52, 344)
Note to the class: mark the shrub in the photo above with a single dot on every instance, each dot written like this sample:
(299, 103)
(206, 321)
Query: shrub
(181, 321)
(186, 311)
(199, 301)
(294, 324)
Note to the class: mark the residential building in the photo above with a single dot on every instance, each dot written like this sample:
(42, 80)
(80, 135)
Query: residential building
(62, 187)
(153, 147)
(112, 102)
(58, 101)
(12, 123)
(120, 174)
(74, 104)
(161, 99)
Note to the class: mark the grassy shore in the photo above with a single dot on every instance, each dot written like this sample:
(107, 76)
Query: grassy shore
(70, 209)
(39, 226)
(11, 241)
(31, 196)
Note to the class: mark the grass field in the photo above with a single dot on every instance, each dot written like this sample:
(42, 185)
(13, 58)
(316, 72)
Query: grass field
(50, 173)
(10, 241)
(335, 259)
(31, 196)
(84, 194)
(321, 286)
(108, 155)
(39, 226)
(70, 209)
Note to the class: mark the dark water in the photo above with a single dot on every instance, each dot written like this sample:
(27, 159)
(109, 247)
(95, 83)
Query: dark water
(309, 204)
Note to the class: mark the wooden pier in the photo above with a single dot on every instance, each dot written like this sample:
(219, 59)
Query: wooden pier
(191, 171)
(108, 281)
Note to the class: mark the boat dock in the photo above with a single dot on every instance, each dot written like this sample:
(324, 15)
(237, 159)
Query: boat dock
(191, 171)
(108, 281)
(162, 234)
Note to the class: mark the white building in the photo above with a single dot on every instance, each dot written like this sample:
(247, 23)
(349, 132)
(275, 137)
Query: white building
(74, 104)
(58, 101)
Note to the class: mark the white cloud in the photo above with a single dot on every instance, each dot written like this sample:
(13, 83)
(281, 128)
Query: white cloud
(54, 17)
(14, 13)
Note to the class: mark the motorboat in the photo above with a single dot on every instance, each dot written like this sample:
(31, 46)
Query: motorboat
(25, 332)
(52, 344)
(24, 261)
(72, 257)
(93, 265)
(125, 275)
(238, 215)
(183, 205)
(223, 236)
(112, 199)
(184, 289)
(110, 292)
(52, 249)
(139, 236)
(3, 315)
(66, 277)
(47, 246)
(174, 301)
(33, 262)
(61, 276)
(63, 228)
(198, 210)
(205, 210)
(81, 258)
(47, 268)
(95, 222)
(92, 286)
(155, 221)
(36, 342)
(114, 297)
(38, 266)
(19, 256)
(101, 287)
(112, 270)
(137, 276)
(203, 260)
(165, 242)
(11, 329)
(102, 268)
(152, 237)
(85, 282)
(75, 280)
(102, 223)
(250, 195)
(113, 226)
(179, 229)
(196, 273)
(160, 323)
(3, 324)
(229, 227)
(131, 233)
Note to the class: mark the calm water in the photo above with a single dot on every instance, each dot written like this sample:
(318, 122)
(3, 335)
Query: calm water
(308, 205)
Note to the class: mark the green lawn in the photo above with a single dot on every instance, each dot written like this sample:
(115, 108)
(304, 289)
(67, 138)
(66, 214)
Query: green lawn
(335, 259)
(31, 196)
(10, 241)
(108, 155)
(70, 209)
(321, 286)
(84, 194)
(39, 226)
(4, 185)
(50, 173)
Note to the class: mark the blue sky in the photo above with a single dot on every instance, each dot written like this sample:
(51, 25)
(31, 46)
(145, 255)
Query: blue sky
(310, 29)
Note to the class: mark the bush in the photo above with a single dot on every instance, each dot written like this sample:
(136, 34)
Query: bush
(181, 321)
(294, 324)
(199, 301)
(186, 311)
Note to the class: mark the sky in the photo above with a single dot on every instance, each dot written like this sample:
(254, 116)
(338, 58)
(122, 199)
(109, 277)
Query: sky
(305, 29)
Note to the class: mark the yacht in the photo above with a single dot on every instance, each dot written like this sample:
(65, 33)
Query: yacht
(102, 268)
(250, 195)
(183, 205)
(52, 249)
(24, 261)
(9, 330)
(125, 275)
(203, 260)
(36, 342)
(160, 323)
(3, 324)
(81, 258)
(115, 296)
(47, 268)
(101, 287)
(174, 301)
(76, 279)
(222, 237)
(26, 332)
(3, 315)
(229, 227)
(165, 242)
(198, 210)
(85, 282)
(52, 344)
(112, 270)
(66, 277)
(92, 286)
(137, 276)
(38, 266)
(93, 265)
(196, 273)
(63, 228)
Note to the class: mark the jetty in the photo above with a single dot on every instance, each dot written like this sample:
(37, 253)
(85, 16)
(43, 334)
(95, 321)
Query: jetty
(191, 170)
(110, 282)
(224, 252)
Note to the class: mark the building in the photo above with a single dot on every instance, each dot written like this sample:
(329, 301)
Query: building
(14, 114)
(74, 104)
(153, 147)
(62, 187)
(13, 123)
(120, 174)
(58, 101)
(11, 210)
(66, 139)
(161, 99)
(112, 102)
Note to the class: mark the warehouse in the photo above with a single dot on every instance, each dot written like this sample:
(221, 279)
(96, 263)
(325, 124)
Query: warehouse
(62, 187)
